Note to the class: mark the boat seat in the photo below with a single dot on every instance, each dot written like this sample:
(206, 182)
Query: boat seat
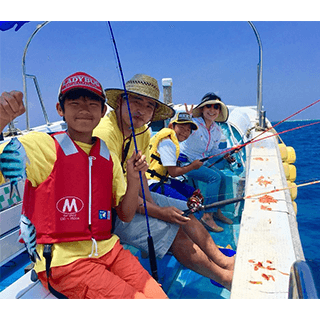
(10, 211)
(25, 288)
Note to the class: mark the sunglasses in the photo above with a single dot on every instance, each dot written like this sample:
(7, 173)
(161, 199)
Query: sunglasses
(215, 106)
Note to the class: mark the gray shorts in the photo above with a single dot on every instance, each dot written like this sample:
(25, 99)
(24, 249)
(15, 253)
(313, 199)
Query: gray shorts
(163, 233)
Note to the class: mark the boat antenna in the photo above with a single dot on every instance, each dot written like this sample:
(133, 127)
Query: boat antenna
(152, 256)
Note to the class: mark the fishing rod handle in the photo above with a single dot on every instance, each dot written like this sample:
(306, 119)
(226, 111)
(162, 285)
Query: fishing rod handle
(207, 158)
(219, 160)
(152, 259)
(192, 210)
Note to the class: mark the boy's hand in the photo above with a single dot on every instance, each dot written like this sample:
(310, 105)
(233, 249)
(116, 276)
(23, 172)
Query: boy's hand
(173, 215)
(11, 106)
(136, 163)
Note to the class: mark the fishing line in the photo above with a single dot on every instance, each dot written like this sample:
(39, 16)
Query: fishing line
(238, 199)
(152, 256)
(297, 182)
(282, 189)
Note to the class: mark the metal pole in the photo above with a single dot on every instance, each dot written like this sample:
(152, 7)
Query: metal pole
(167, 94)
(24, 75)
(259, 88)
(167, 90)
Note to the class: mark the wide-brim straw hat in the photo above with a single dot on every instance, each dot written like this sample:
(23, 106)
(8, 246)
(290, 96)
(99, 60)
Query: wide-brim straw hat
(146, 86)
(212, 99)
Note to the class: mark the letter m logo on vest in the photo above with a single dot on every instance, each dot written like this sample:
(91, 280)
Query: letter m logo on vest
(70, 205)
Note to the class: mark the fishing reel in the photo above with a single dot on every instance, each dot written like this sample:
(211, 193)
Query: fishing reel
(194, 203)
(195, 200)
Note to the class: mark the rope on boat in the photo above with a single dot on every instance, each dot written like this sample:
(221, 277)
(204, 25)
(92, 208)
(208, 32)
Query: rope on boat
(152, 256)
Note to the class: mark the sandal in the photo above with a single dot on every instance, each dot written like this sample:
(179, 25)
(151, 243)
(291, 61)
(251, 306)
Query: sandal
(209, 228)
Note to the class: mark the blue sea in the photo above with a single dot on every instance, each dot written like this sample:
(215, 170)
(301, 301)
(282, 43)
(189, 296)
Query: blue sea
(305, 142)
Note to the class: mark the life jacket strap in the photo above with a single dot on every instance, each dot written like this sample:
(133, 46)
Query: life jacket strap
(47, 253)
(153, 173)
(156, 158)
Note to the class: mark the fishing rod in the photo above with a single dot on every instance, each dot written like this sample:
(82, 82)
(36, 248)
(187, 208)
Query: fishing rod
(199, 207)
(292, 115)
(152, 254)
(233, 150)
(236, 148)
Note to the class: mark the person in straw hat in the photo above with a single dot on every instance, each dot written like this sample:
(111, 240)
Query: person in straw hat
(185, 237)
(204, 143)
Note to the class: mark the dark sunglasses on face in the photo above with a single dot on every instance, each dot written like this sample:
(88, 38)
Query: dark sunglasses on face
(215, 106)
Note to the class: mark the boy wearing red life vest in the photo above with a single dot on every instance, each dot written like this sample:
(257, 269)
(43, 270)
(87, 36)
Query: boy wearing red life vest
(73, 181)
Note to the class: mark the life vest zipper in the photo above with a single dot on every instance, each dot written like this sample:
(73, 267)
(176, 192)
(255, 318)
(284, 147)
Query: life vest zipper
(94, 242)
(91, 158)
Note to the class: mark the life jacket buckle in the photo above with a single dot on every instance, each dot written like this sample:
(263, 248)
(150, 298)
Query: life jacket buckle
(47, 253)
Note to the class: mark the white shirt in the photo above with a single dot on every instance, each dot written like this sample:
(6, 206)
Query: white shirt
(202, 142)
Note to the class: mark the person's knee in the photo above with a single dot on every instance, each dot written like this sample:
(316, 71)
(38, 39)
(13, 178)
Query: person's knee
(182, 245)
(215, 178)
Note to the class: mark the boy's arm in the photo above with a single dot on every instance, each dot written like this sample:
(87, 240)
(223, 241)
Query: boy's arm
(176, 171)
(167, 151)
(11, 106)
(130, 202)
(146, 190)
(169, 214)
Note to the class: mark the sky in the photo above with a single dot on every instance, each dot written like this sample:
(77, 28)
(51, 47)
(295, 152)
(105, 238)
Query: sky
(199, 56)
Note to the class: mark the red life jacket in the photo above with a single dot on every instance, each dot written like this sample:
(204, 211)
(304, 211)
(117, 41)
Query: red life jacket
(74, 202)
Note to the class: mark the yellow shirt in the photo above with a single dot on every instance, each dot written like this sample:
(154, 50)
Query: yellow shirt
(40, 149)
(108, 130)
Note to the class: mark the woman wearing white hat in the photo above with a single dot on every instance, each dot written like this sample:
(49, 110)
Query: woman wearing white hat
(202, 143)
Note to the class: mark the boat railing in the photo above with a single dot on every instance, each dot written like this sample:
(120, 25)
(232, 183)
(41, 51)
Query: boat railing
(260, 113)
(25, 75)
(301, 283)
(36, 84)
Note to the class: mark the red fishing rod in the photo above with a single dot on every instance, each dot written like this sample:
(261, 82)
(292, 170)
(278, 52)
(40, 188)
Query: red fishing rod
(294, 114)
(237, 148)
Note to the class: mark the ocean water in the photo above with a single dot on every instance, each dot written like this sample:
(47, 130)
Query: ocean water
(305, 141)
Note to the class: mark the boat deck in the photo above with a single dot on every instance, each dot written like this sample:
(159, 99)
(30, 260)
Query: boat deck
(177, 281)
(267, 231)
